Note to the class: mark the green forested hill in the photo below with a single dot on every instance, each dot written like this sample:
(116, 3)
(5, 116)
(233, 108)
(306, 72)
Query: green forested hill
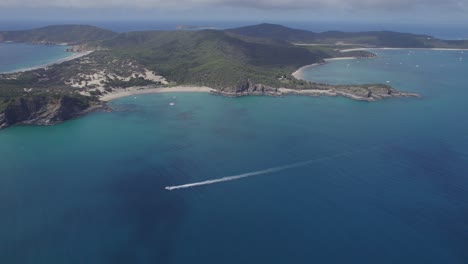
(370, 38)
(264, 53)
(250, 60)
(73, 34)
(211, 57)
(276, 32)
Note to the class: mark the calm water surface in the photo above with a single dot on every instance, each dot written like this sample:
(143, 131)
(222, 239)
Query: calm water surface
(387, 181)
(17, 56)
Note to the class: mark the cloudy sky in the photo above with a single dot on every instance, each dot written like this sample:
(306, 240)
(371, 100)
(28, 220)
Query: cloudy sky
(355, 10)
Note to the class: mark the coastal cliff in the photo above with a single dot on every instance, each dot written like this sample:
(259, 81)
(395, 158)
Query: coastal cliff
(230, 62)
(46, 110)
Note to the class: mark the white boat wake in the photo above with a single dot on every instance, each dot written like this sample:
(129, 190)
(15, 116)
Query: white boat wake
(254, 173)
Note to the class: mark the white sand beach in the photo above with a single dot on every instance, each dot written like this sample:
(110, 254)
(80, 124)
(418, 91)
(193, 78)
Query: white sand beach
(299, 74)
(355, 49)
(142, 90)
(341, 58)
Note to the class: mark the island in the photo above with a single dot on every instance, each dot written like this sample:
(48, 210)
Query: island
(254, 60)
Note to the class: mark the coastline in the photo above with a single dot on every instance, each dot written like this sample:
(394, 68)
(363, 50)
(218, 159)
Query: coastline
(73, 56)
(142, 90)
(447, 49)
(335, 93)
(299, 73)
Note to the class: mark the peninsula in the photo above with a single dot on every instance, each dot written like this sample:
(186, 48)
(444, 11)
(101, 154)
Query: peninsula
(253, 60)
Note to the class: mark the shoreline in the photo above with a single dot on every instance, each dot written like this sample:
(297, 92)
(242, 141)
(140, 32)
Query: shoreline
(299, 73)
(73, 56)
(447, 49)
(141, 90)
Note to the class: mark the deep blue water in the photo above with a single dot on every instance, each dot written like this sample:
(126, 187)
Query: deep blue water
(17, 56)
(387, 181)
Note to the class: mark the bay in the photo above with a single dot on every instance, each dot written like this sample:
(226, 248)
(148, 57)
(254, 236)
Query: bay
(19, 56)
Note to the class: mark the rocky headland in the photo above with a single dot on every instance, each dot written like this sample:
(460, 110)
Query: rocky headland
(107, 65)
(44, 110)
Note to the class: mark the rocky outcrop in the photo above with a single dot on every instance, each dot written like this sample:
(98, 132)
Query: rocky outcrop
(373, 92)
(248, 88)
(367, 92)
(46, 110)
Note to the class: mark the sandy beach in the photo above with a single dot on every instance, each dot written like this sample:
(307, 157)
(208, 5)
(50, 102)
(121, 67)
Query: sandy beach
(341, 58)
(74, 55)
(142, 90)
(299, 74)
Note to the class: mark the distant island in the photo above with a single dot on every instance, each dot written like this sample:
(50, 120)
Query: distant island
(252, 60)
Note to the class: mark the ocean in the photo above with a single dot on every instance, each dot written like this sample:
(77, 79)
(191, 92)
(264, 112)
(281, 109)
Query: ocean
(18, 56)
(330, 180)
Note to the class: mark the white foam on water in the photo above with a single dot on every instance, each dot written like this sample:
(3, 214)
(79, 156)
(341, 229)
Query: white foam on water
(254, 173)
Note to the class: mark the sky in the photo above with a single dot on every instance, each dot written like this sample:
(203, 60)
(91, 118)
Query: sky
(417, 11)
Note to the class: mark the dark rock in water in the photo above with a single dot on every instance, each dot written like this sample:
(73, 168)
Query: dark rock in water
(46, 110)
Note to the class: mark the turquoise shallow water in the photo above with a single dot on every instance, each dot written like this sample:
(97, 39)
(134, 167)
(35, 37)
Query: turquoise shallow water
(387, 183)
(17, 56)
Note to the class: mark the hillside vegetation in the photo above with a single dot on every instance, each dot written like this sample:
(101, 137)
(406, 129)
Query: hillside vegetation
(264, 54)
(256, 59)
(369, 39)
(212, 58)
(71, 34)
